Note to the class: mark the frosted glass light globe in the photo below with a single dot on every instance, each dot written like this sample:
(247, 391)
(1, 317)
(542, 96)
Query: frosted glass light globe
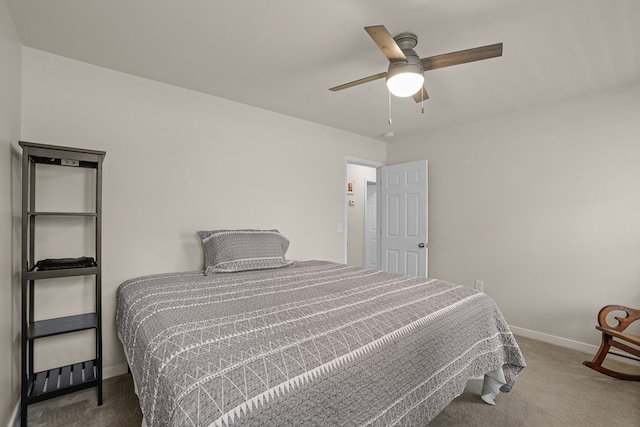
(405, 84)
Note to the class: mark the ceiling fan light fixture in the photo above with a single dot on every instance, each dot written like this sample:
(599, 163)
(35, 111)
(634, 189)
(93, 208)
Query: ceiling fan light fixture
(404, 80)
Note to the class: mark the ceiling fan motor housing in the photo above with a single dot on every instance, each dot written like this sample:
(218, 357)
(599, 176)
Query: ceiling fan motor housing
(413, 63)
(406, 42)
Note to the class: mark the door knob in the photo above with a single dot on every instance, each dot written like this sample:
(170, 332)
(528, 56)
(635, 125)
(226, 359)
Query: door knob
(421, 245)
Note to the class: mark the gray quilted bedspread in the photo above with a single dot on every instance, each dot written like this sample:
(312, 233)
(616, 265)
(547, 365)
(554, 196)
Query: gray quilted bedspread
(313, 344)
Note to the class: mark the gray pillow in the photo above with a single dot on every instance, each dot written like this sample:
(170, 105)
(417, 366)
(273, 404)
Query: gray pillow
(227, 251)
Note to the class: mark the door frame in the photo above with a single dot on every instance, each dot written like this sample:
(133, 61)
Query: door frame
(367, 220)
(348, 160)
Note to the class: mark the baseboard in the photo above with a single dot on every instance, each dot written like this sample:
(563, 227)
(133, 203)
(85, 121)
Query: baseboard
(14, 421)
(567, 343)
(552, 339)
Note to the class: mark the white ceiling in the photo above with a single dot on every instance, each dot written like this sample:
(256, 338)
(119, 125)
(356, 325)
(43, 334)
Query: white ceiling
(284, 55)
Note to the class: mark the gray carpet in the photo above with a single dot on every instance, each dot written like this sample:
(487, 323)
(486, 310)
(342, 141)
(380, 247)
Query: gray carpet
(119, 408)
(554, 390)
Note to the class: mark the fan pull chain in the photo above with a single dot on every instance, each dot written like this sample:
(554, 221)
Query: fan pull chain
(390, 121)
(422, 96)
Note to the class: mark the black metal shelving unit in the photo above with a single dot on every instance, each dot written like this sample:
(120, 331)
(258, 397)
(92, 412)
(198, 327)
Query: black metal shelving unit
(38, 386)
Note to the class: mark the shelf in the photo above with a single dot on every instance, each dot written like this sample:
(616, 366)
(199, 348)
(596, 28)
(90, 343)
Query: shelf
(63, 272)
(90, 214)
(62, 325)
(58, 381)
(39, 386)
(54, 155)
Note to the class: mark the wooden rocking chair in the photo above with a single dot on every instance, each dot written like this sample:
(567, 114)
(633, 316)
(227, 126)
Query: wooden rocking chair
(609, 333)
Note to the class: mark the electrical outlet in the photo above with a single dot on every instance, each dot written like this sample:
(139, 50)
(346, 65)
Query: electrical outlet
(479, 285)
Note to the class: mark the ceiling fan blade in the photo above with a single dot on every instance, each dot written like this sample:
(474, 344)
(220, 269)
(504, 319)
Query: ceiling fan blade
(419, 96)
(359, 82)
(386, 43)
(462, 56)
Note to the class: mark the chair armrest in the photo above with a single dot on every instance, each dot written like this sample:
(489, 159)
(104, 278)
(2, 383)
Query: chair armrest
(623, 322)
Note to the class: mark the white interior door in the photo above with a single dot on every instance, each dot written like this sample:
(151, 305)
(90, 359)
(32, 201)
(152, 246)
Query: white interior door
(370, 226)
(404, 247)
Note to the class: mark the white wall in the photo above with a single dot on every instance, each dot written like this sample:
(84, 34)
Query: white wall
(544, 206)
(10, 69)
(355, 214)
(179, 161)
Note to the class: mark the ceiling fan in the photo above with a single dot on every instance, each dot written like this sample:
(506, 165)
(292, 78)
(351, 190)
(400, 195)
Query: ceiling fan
(405, 75)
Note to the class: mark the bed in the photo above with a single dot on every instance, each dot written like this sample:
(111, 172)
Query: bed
(312, 343)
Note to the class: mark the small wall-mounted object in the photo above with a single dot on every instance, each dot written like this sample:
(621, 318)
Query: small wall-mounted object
(350, 186)
(352, 203)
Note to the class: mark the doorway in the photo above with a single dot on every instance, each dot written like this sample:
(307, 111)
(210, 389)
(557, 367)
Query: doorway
(398, 220)
(359, 175)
